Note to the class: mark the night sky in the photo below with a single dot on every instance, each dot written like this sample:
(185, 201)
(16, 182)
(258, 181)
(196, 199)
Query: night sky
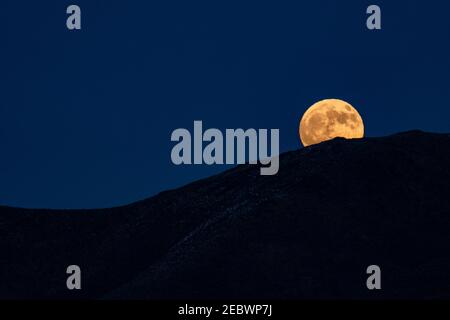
(86, 116)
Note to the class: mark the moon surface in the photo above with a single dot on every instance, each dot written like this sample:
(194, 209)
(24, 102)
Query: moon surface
(328, 119)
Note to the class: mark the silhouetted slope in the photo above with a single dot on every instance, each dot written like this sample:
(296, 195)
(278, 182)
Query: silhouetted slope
(308, 232)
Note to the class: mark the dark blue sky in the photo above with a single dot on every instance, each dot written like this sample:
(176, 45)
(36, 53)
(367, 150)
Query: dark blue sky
(86, 116)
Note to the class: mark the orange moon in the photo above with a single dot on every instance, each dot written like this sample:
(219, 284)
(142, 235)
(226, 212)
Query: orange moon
(328, 119)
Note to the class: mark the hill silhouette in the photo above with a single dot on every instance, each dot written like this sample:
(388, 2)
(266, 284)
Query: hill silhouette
(308, 232)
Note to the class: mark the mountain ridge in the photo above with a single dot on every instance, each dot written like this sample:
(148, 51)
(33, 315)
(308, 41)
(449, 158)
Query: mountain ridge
(240, 235)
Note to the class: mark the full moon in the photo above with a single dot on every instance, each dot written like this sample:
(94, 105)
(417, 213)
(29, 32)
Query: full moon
(329, 119)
